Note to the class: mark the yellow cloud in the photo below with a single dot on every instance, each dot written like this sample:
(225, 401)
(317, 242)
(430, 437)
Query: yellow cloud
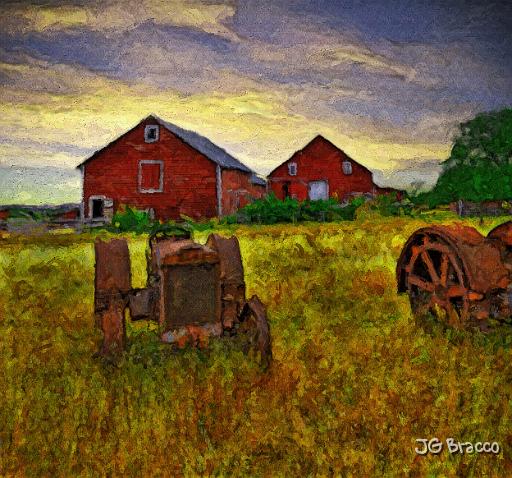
(127, 14)
(255, 127)
(57, 18)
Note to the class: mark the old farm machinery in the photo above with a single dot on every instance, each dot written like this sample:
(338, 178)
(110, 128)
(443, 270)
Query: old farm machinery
(193, 291)
(458, 275)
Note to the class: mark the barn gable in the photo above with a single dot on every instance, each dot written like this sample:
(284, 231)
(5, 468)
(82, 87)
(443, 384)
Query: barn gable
(321, 170)
(318, 142)
(201, 144)
(165, 169)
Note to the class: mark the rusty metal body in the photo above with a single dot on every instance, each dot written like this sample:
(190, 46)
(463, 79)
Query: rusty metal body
(456, 273)
(193, 291)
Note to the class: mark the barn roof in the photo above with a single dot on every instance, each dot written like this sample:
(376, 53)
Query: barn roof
(199, 143)
(258, 180)
(205, 146)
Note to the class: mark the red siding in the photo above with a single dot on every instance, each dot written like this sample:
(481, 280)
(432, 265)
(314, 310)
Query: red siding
(73, 214)
(189, 178)
(321, 160)
(237, 190)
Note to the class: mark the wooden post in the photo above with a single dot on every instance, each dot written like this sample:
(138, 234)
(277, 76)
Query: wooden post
(111, 287)
(231, 277)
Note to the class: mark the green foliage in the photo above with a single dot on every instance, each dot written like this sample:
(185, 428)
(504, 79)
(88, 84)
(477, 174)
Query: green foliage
(354, 381)
(133, 220)
(387, 205)
(480, 164)
(270, 210)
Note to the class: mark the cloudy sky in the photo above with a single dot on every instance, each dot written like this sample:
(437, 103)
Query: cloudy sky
(387, 81)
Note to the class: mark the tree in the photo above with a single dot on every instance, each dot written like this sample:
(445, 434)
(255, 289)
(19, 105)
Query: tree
(480, 164)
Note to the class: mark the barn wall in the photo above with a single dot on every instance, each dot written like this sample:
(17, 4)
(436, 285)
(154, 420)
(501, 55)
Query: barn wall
(189, 184)
(320, 160)
(237, 190)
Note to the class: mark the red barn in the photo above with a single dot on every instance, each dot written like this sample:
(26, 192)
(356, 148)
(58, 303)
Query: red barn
(162, 168)
(321, 170)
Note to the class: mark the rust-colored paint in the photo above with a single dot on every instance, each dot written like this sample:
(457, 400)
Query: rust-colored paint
(194, 291)
(456, 269)
(189, 177)
(112, 285)
(238, 190)
(231, 277)
(320, 160)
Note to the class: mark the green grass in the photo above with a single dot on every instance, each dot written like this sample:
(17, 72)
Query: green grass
(354, 380)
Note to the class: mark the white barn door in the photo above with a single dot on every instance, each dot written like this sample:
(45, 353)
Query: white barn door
(318, 190)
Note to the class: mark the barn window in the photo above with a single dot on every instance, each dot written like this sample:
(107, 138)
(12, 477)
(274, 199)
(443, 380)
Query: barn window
(292, 169)
(151, 133)
(151, 176)
(347, 167)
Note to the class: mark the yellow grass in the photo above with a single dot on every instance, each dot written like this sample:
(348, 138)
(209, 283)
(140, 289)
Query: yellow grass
(354, 380)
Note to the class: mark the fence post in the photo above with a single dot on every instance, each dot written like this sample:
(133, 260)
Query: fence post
(112, 283)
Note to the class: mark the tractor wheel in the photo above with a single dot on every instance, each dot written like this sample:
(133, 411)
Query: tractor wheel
(437, 282)
(254, 330)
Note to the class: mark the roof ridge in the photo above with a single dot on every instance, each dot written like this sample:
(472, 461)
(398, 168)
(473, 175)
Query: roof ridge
(204, 145)
(200, 143)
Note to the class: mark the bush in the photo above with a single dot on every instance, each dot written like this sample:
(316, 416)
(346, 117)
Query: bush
(132, 220)
(387, 205)
(140, 222)
(271, 210)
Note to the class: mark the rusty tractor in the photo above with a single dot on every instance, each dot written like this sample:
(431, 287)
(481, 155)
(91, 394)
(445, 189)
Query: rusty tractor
(193, 291)
(458, 275)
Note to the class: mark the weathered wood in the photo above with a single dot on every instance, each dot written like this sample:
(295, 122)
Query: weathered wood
(231, 277)
(189, 178)
(112, 285)
(322, 160)
(254, 326)
(113, 272)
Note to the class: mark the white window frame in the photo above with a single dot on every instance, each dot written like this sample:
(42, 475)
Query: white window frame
(346, 166)
(292, 169)
(326, 182)
(147, 129)
(108, 203)
(161, 178)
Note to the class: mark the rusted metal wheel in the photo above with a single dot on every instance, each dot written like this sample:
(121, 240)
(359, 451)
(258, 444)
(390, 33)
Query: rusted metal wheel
(254, 330)
(452, 272)
(437, 283)
(502, 233)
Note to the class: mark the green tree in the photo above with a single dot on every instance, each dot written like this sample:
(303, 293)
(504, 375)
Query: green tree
(480, 164)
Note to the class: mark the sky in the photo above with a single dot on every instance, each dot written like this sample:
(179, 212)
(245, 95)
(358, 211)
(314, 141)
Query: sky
(386, 81)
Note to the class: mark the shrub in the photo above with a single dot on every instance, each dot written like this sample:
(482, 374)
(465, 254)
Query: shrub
(140, 222)
(387, 205)
(132, 220)
(271, 210)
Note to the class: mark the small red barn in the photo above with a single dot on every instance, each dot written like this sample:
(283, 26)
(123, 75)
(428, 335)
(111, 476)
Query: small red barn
(319, 171)
(160, 167)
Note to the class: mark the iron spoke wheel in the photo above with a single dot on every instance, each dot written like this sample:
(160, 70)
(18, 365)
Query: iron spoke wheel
(254, 331)
(437, 283)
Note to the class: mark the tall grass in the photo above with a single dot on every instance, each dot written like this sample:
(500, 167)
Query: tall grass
(354, 380)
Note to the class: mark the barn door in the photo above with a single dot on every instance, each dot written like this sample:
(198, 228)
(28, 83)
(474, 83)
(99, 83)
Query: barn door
(318, 190)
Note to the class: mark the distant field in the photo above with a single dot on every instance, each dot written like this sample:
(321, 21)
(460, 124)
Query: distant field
(353, 383)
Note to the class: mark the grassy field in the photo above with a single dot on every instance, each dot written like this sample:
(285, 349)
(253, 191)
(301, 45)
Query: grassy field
(354, 381)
